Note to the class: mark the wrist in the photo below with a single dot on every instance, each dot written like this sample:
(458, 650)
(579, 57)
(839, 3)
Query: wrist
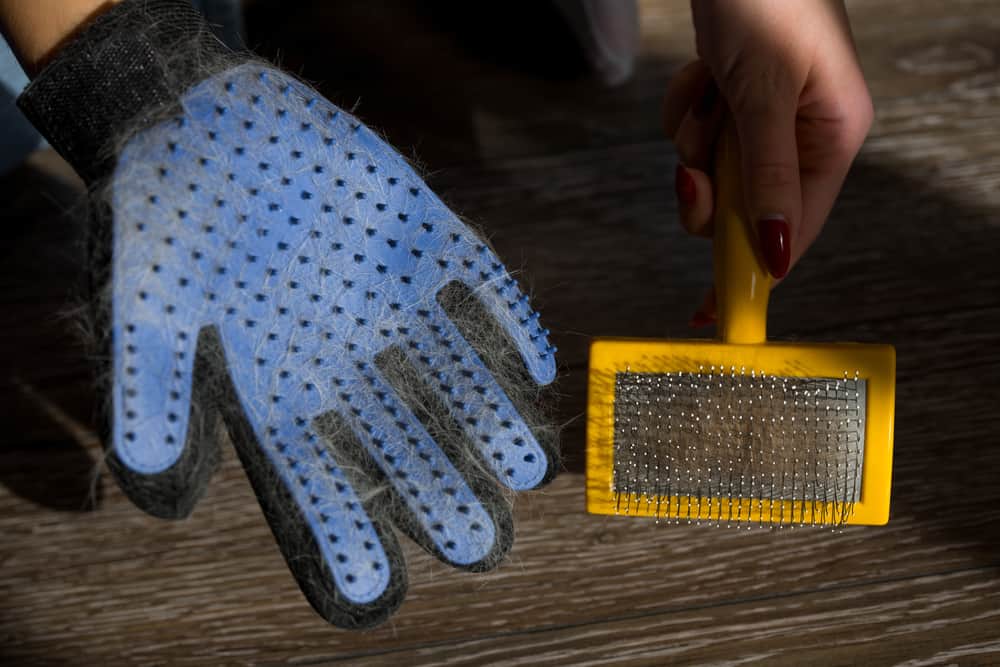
(117, 73)
(37, 29)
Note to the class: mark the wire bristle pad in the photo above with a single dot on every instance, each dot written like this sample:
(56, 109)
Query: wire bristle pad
(734, 446)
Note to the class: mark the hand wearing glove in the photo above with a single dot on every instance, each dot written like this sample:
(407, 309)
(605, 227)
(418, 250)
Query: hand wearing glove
(263, 256)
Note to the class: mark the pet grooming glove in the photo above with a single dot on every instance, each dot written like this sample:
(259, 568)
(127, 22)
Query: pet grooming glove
(263, 256)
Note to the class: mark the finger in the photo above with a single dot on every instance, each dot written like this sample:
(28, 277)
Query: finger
(695, 200)
(827, 148)
(430, 247)
(682, 92)
(349, 567)
(470, 260)
(697, 133)
(440, 250)
(152, 385)
(706, 313)
(820, 188)
(770, 166)
(163, 446)
(695, 139)
(489, 421)
(444, 513)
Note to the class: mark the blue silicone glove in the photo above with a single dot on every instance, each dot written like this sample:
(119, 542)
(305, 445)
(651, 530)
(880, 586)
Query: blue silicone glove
(275, 262)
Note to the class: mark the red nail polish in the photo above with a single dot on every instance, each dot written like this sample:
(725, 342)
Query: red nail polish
(685, 187)
(774, 244)
(700, 319)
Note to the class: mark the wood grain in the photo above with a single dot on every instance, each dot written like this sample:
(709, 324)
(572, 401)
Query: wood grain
(574, 185)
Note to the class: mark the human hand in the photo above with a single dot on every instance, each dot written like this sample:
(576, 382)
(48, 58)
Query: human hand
(790, 78)
(265, 257)
(323, 253)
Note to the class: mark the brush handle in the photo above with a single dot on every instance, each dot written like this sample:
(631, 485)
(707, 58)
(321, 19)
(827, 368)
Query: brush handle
(742, 282)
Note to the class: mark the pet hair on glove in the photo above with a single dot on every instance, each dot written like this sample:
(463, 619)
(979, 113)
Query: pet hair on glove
(261, 256)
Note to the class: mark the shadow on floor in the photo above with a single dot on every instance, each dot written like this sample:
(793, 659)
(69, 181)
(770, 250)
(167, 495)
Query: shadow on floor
(47, 450)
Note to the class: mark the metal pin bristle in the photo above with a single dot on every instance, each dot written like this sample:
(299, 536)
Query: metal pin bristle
(738, 447)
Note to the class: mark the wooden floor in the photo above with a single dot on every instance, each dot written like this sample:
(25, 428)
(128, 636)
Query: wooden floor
(574, 182)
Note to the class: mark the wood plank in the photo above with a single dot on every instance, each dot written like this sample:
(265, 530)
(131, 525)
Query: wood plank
(884, 621)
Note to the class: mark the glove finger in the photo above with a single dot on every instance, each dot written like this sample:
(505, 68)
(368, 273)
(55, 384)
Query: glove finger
(415, 236)
(471, 261)
(349, 566)
(433, 501)
(454, 372)
(163, 430)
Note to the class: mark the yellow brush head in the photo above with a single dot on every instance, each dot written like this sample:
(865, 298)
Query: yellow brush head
(740, 431)
(772, 433)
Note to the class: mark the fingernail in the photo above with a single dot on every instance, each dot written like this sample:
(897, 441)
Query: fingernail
(701, 319)
(774, 244)
(684, 185)
(706, 101)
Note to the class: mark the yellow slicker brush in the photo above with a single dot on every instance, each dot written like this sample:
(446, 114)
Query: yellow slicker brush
(740, 431)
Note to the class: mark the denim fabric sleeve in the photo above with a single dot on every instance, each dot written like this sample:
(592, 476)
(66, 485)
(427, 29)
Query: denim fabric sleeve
(18, 138)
